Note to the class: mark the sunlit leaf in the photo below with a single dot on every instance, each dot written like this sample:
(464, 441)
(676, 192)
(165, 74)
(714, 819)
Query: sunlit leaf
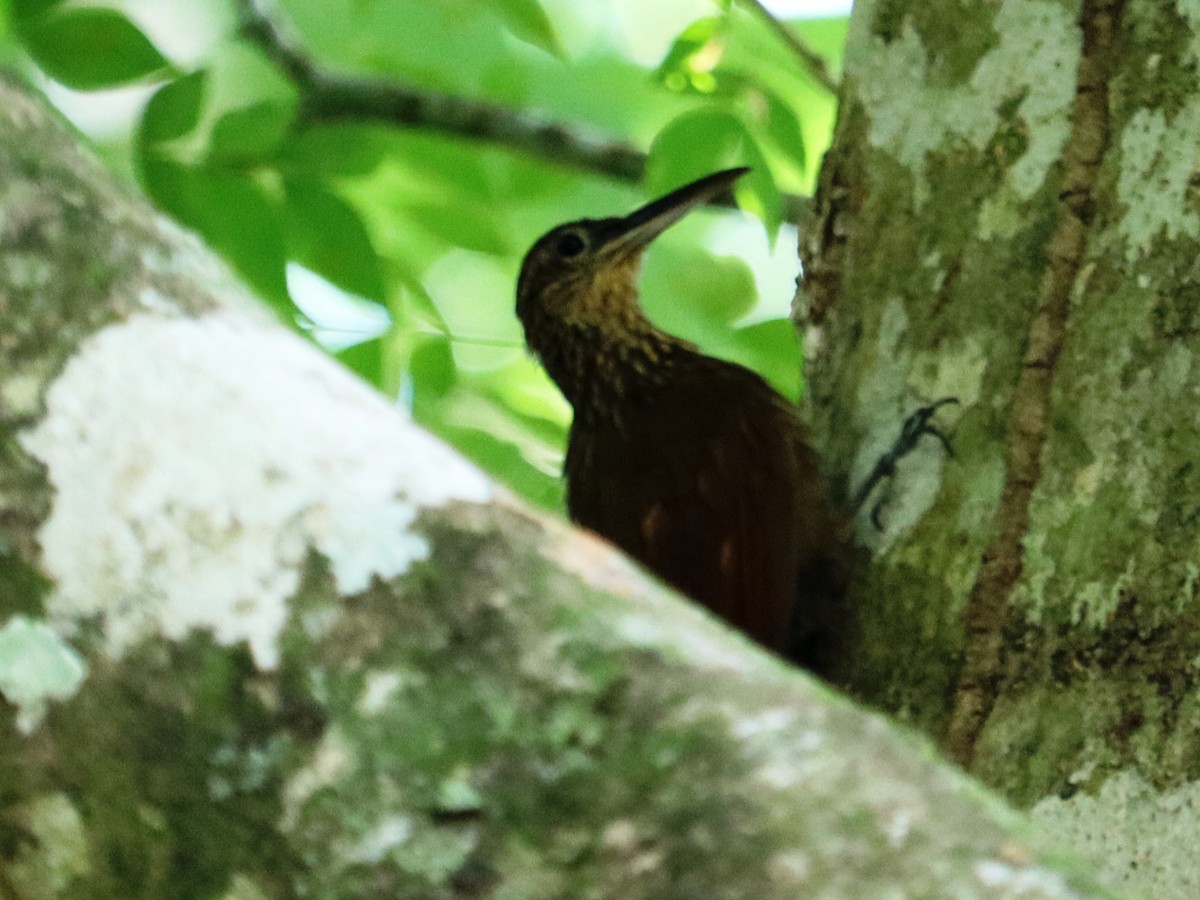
(505, 443)
(365, 359)
(757, 192)
(676, 71)
(326, 235)
(772, 349)
(25, 10)
(250, 133)
(233, 214)
(694, 294)
(88, 49)
(173, 111)
(783, 129)
(463, 226)
(827, 37)
(755, 54)
(431, 372)
(413, 304)
(693, 145)
(350, 148)
(527, 20)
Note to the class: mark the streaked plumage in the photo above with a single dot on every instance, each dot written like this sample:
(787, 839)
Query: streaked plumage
(694, 466)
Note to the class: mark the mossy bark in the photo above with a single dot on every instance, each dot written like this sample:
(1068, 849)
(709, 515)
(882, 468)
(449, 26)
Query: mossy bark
(1008, 217)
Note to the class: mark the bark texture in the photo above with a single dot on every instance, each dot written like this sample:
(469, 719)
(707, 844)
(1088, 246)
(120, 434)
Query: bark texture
(1009, 217)
(263, 637)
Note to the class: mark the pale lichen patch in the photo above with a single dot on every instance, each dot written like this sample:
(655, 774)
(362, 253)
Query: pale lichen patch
(1014, 881)
(957, 371)
(54, 853)
(331, 760)
(1096, 602)
(881, 394)
(36, 666)
(1142, 838)
(886, 398)
(197, 462)
(378, 843)
(1034, 62)
(1190, 10)
(1001, 215)
(242, 887)
(765, 721)
(20, 394)
(790, 867)
(1158, 160)
(378, 691)
(1040, 568)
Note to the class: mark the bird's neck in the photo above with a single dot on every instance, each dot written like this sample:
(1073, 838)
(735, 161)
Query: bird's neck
(601, 367)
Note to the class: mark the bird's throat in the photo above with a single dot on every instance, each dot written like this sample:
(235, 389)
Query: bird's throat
(600, 369)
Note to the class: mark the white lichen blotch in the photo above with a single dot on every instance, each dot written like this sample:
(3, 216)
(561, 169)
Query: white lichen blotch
(196, 462)
(51, 856)
(36, 666)
(1157, 164)
(1142, 837)
(1032, 63)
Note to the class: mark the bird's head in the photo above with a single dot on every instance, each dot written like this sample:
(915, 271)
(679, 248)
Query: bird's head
(584, 272)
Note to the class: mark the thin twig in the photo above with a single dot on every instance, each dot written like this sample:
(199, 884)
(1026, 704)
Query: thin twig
(811, 60)
(329, 97)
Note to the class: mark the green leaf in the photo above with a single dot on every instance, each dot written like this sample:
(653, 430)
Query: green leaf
(173, 111)
(692, 145)
(783, 129)
(528, 21)
(27, 10)
(353, 148)
(675, 71)
(505, 443)
(233, 214)
(757, 192)
(414, 304)
(431, 371)
(36, 666)
(366, 359)
(463, 226)
(772, 349)
(251, 133)
(694, 294)
(826, 37)
(325, 234)
(88, 49)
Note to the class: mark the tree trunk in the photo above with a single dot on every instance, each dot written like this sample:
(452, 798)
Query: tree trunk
(1009, 217)
(265, 638)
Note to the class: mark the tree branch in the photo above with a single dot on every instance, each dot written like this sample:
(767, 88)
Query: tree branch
(812, 61)
(329, 97)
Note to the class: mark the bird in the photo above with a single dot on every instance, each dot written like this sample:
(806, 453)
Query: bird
(694, 466)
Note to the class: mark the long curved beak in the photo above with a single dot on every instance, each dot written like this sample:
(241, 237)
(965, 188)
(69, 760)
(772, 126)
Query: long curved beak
(643, 225)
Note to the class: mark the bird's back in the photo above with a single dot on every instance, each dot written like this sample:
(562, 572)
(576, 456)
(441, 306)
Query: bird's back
(707, 478)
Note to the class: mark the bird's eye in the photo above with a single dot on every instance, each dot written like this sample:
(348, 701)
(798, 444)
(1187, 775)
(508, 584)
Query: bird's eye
(570, 245)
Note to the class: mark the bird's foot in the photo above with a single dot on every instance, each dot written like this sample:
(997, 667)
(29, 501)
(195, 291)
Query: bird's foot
(917, 424)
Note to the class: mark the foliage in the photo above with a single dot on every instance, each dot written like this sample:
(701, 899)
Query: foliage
(430, 227)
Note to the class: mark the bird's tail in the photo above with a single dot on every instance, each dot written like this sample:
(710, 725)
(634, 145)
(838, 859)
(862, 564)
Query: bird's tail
(822, 617)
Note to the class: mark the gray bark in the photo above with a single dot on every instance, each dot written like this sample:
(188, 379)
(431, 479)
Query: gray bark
(1008, 217)
(263, 637)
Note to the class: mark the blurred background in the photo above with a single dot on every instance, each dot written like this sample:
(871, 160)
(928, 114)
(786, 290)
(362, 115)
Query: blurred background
(396, 245)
